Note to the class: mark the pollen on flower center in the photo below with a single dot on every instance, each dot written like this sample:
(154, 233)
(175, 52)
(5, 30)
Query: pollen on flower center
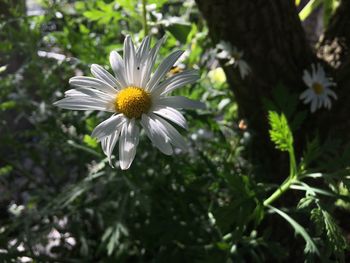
(318, 88)
(133, 102)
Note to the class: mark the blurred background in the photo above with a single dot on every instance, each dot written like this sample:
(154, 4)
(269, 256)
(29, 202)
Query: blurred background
(60, 201)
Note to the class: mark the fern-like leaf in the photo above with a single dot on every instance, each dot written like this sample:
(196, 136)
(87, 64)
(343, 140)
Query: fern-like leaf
(325, 223)
(280, 132)
(310, 246)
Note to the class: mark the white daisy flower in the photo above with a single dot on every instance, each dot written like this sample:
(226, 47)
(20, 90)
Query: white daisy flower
(234, 57)
(319, 92)
(136, 97)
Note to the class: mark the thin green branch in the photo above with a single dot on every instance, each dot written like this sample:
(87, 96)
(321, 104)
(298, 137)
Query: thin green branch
(144, 17)
(281, 190)
(293, 176)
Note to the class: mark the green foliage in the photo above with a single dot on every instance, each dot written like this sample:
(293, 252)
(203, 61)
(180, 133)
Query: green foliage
(322, 219)
(310, 246)
(286, 102)
(280, 132)
(89, 141)
(5, 170)
(325, 223)
(180, 31)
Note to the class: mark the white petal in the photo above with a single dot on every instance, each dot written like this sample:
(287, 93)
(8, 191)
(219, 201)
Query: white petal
(180, 102)
(108, 126)
(108, 144)
(93, 83)
(314, 105)
(163, 68)
(307, 93)
(175, 137)
(142, 55)
(327, 102)
(171, 114)
(307, 78)
(102, 74)
(146, 69)
(143, 50)
(174, 82)
(331, 93)
(82, 103)
(117, 64)
(309, 98)
(129, 140)
(320, 101)
(156, 132)
(129, 61)
(244, 68)
(328, 83)
(89, 93)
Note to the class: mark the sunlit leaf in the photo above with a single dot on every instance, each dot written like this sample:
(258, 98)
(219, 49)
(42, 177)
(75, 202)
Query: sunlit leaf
(280, 132)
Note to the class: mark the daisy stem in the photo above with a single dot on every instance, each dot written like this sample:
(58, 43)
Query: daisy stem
(144, 17)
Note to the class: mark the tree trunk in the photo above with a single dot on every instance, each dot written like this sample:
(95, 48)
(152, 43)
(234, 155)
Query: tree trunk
(334, 49)
(275, 46)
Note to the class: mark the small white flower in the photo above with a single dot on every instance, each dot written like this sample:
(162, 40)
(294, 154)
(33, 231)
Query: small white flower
(134, 96)
(234, 57)
(318, 92)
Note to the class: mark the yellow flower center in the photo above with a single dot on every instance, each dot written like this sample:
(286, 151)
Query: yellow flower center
(133, 102)
(318, 88)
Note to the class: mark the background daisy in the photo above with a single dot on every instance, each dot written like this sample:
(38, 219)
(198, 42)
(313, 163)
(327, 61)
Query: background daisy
(318, 92)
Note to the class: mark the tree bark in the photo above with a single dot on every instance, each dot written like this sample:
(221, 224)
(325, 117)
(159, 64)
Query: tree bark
(275, 46)
(334, 49)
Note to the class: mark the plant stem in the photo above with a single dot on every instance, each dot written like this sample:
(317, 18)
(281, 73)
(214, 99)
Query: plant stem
(283, 188)
(144, 17)
(293, 176)
(292, 164)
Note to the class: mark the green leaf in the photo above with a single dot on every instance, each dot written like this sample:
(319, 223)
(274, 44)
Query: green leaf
(316, 217)
(7, 105)
(310, 244)
(159, 3)
(283, 100)
(83, 29)
(325, 223)
(80, 5)
(91, 123)
(280, 132)
(306, 202)
(94, 15)
(5, 170)
(180, 31)
(311, 153)
(104, 14)
(329, 6)
(89, 141)
(311, 190)
(112, 236)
